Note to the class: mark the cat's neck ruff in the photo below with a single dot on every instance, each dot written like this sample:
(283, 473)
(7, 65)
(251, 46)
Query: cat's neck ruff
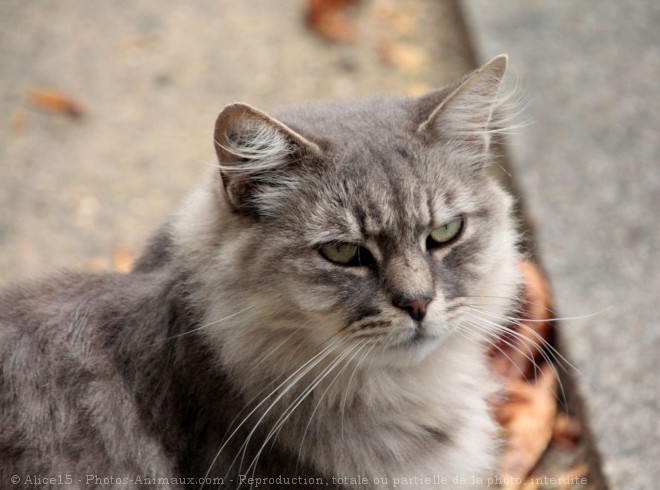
(427, 418)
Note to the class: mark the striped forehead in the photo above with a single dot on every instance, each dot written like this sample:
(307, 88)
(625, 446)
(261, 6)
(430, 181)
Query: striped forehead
(396, 205)
(392, 207)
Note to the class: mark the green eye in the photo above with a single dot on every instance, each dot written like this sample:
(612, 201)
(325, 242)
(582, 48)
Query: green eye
(445, 233)
(340, 253)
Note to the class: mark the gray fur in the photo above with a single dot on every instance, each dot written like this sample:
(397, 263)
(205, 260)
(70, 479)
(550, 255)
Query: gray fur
(189, 366)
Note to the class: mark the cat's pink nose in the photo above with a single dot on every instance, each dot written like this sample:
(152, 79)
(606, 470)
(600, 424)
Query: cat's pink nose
(416, 307)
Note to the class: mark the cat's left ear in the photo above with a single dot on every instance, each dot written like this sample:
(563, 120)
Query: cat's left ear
(463, 115)
(253, 149)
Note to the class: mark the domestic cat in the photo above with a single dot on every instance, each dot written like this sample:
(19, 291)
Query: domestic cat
(316, 314)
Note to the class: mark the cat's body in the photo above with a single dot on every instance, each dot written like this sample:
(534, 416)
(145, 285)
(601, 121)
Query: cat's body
(247, 343)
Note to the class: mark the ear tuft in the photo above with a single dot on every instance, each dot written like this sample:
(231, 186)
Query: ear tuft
(465, 115)
(252, 147)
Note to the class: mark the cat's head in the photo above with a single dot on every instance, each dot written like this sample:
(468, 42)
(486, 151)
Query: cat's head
(369, 223)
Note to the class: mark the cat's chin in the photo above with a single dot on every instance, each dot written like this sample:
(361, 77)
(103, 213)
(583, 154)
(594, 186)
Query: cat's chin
(409, 352)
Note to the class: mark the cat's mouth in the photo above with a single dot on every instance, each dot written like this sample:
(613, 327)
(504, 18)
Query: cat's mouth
(419, 336)
(411, 347)
(422, 336)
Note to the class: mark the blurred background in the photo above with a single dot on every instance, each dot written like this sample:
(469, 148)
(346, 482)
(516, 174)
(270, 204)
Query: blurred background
(107, 110)
(148, 79)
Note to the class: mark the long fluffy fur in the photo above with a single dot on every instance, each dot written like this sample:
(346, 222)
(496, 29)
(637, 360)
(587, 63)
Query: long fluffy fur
(234, 349)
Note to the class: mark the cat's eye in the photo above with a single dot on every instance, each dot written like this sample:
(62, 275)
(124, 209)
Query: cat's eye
(340, 253)
(445, 234)
(348, 254)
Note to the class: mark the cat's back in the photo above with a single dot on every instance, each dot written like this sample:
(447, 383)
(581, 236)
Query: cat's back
(53, 319)
(62, 366)
(62, 313)
(83, 311)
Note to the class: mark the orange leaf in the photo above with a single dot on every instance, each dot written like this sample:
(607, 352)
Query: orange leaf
(516, 354)
(404, 56)
(326, 18)
(537, 291)
(567, 431)
(54, 100)
(122, 259)
(528, 418)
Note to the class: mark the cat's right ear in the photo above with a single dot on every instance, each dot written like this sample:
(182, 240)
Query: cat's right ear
(253, 149)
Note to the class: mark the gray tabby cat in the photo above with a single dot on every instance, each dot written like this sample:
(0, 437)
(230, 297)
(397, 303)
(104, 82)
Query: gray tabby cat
(316, 313)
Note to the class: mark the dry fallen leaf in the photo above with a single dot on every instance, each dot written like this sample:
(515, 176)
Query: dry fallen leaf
(537, 290)
(528, 419)
(566, 431)
(528, 413)
(403, 56)
(55, 100)
(122, 259)
(517, 354)
(327, 19)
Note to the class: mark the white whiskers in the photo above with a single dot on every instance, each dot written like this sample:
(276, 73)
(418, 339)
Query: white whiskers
(209, 324)
(287, 384)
